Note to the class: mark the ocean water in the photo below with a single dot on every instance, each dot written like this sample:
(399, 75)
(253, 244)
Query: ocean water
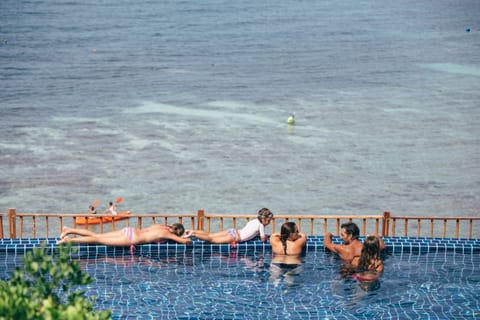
(182, 105)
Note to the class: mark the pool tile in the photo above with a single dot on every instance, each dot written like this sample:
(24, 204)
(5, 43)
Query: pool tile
(314, 243)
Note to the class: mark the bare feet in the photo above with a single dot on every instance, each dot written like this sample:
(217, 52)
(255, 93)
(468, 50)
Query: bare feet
(63, 240)
(65, 232)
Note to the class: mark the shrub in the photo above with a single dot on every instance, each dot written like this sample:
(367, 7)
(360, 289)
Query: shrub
(47, 289)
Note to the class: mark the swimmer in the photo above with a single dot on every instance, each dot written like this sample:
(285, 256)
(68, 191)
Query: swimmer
(370, 264)
(289, 242)
(350, 250)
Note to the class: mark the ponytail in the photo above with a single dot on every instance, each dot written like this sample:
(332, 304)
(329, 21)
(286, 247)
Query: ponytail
(283, 238)
(287, 229)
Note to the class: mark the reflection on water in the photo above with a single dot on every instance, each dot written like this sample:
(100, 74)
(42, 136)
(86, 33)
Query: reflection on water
(285, 269)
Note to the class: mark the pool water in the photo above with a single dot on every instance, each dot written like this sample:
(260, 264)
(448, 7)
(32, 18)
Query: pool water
(243, 284)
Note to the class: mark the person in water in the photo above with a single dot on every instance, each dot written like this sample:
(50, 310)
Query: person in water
(91, 210)
(370, 264)
(128, 236)
(251, 230)
(351, 248)
(289, 242)
(287, 247)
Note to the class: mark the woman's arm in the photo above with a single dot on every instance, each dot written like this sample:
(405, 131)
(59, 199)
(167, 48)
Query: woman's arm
(381, 244)
(171, 236)
(181, 240)
(302, 238)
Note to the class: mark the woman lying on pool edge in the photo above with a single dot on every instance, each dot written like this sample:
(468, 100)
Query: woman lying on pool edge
(128, 236)
(253, 228)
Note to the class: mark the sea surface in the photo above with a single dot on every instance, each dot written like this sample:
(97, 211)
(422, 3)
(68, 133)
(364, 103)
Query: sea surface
(182, 105)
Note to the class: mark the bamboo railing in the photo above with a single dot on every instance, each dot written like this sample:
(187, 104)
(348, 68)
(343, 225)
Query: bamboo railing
(45, 225)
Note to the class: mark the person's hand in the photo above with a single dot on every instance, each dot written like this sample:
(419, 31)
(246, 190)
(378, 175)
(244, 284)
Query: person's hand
(188, 233)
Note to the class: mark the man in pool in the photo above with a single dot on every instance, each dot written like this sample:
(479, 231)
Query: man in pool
(351, 249)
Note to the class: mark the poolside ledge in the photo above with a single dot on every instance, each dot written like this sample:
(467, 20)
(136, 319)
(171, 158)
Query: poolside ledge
(314, 244)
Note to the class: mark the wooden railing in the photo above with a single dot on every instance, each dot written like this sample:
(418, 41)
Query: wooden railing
(44, 225)
(439, 227)
(311, 224)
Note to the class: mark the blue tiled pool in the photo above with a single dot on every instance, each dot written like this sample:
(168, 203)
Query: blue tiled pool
(423, 279)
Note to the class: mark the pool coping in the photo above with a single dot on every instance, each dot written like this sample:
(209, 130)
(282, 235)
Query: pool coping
(314, 244)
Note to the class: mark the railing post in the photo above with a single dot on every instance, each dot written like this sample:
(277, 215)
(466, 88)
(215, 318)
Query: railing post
(200, 219)
(12, 218)
(386, 223)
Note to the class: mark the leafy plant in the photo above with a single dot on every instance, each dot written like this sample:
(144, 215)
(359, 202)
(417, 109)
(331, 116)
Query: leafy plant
(47, 289)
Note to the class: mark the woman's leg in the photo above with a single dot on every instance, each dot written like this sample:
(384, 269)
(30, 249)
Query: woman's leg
(88, 233)
(223, 238)
(219, 234)
(81, 232)
(202, 235)
(86, 239)
(219, 237)
(113, 238)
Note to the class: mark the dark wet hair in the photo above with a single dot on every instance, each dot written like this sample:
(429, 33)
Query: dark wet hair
(370, 253)
(178, 229)
(287, 229)
(264, 213)
(351, 228)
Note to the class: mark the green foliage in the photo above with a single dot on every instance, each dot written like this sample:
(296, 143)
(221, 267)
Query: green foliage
(46, 289)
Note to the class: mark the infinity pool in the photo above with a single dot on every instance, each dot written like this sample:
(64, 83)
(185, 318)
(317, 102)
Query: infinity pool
(213, 282)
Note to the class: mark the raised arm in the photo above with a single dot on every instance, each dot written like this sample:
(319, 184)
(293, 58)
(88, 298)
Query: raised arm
(327, 242)
(302, 239)
(380, 241)
(382, 244)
